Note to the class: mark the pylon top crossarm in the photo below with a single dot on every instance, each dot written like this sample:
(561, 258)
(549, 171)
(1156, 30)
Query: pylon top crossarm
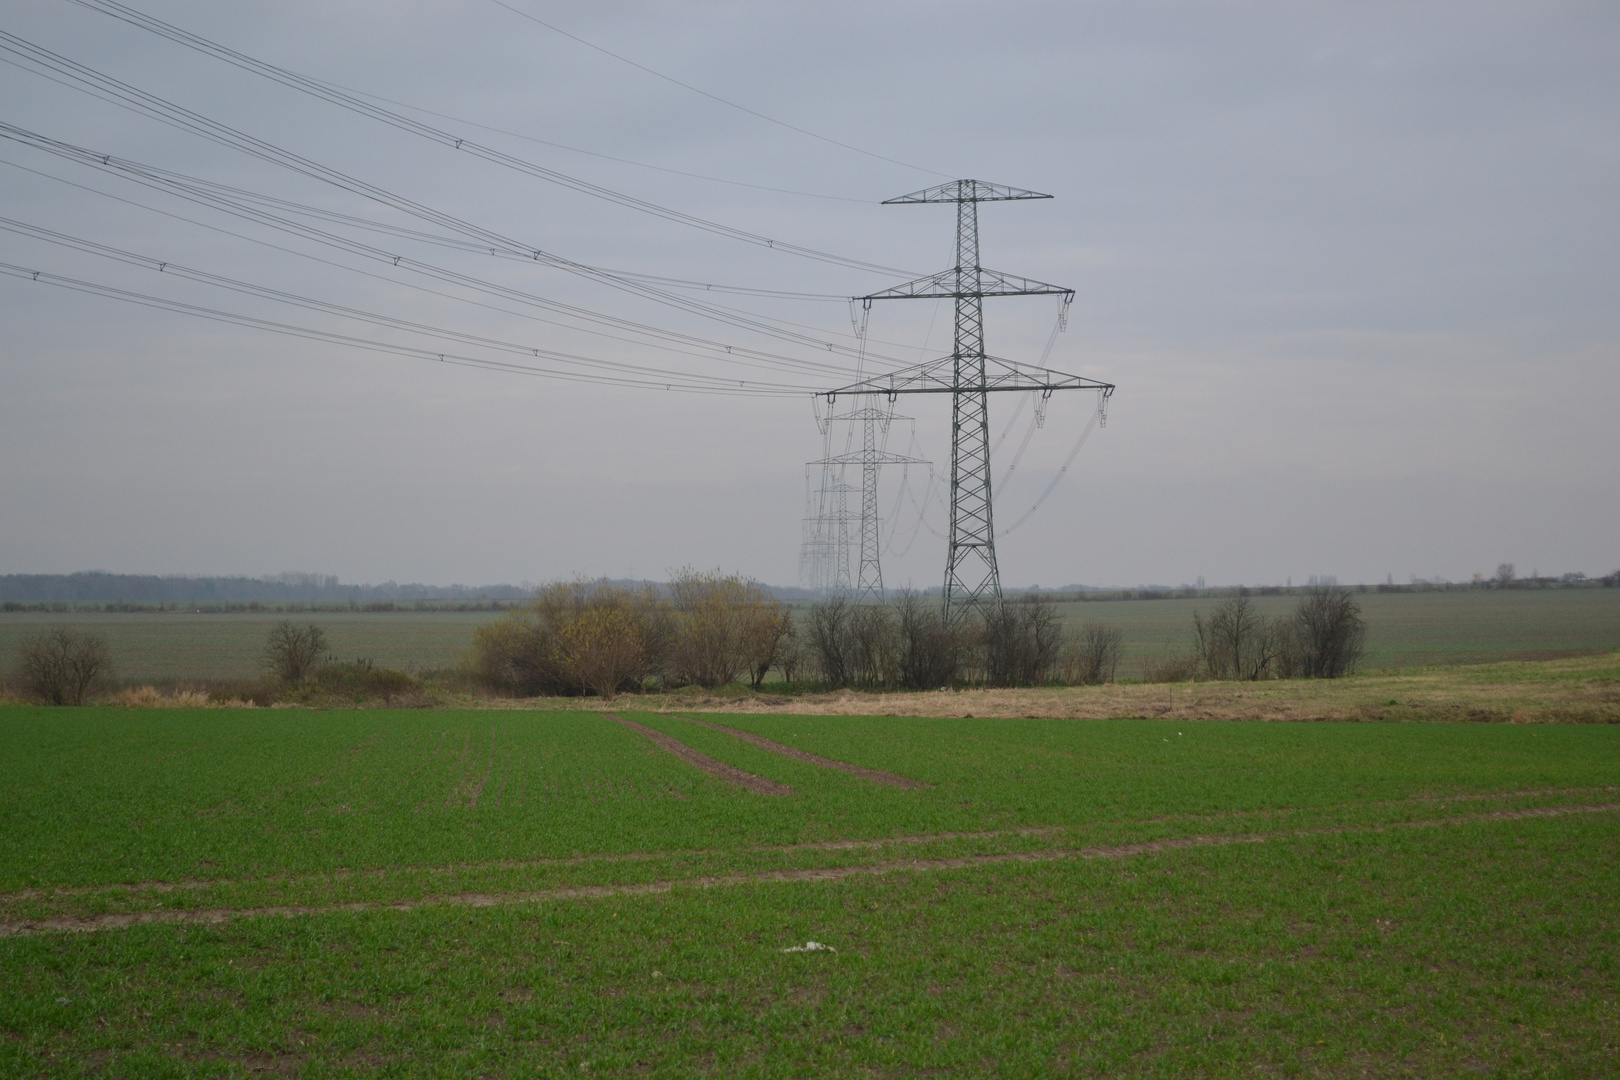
(958, 191)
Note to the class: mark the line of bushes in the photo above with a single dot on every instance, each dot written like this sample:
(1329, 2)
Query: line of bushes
(68, 666)
(710, 630)
(1324, 637)
(582, 637)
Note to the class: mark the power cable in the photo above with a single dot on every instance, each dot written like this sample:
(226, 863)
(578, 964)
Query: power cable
(595, 154)
(715, 350)
(684, 383)
(184, 119)
(208, 194)
(1034, 422)
(714, 97)
(1074, 453)
(327, 92)
(236, 285)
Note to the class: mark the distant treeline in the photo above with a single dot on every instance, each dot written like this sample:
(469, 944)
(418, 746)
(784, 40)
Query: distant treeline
(293, 608)
(94, 591)
(148, 590)
(1085, 593)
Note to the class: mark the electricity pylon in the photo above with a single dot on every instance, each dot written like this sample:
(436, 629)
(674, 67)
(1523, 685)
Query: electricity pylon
(969, 375)
(824, 552)
(871, 457)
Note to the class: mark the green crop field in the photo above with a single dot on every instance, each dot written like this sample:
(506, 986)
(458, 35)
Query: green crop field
(1407, 629)
(475, 893)
(206, 645)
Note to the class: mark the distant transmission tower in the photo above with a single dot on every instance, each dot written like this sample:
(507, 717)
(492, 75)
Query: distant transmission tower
(871, 457)
(824, 552)
(969, 375)
(824, 556)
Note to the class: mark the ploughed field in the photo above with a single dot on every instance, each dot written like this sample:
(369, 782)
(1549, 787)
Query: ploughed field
(1405, 630)
(229, 892)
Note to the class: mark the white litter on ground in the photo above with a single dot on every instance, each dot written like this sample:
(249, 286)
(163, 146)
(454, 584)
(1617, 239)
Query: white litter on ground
(810, 946)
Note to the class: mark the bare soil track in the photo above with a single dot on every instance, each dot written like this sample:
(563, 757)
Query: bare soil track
(875, 775)
(836, 873)
(759, 785)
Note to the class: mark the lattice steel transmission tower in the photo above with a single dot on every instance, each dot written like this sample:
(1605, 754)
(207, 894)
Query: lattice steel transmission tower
(871, 457)
(824, 551)
(824, 560)
(969, 375)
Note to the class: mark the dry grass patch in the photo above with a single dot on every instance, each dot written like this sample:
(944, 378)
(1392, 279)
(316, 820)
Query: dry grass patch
(1581, 689)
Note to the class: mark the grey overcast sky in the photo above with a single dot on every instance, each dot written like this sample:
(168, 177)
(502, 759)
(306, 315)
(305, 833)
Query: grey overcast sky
(1353, 267)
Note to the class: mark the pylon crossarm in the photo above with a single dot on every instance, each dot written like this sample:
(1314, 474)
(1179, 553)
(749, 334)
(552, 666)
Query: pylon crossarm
(947, 285)
(939, 377)
(879, 457)
(965, 191)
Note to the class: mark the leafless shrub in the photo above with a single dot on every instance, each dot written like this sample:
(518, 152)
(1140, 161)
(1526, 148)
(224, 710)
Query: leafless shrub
(826, 636)
(873, 646)
(1328, 635)
(930, 648)
(1094, 655)
(1237, 642)
(294, 651)
(61, 666)
(1022, 644)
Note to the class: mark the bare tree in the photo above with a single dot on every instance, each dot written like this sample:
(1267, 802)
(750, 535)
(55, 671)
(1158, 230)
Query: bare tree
(294, 651)
(873, 646)
(1329, 634)
(930, 648)
(826, 637)
(1095, 654)
(1237, 642)
(60, 666)
(1505, 575)
(1022, 644)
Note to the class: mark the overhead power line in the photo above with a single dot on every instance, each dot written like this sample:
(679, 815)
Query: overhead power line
(210, 194)
(646, 336)
(712, 97)
(237, 285)
(330, 93)
(597, 154)
(685, 383)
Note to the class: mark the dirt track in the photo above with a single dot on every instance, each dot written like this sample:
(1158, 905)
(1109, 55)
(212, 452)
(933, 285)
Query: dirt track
(837, 873)
(875, 775)
(759, 785)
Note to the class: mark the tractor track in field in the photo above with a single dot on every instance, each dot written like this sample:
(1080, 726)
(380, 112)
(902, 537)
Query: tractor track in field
(343, 874)
(215, 916)
(759, 785)
(875, 775)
